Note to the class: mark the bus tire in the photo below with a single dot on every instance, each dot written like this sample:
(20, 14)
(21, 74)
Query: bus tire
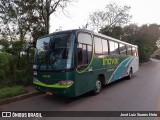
(130, 74)
(98, 87)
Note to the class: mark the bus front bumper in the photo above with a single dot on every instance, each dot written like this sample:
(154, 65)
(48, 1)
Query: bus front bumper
(55, 89)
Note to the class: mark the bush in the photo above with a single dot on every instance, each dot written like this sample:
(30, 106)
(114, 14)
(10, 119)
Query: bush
(4, 67)
(2, 74)
(21, 77)
(4, 60)
(7, 92)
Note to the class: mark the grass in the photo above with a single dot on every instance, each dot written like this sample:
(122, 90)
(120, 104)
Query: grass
(7, 92)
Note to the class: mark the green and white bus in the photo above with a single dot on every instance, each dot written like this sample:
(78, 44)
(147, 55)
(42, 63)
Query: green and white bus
(71, 63)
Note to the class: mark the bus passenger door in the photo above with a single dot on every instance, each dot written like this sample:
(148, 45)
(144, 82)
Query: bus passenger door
(83, 58)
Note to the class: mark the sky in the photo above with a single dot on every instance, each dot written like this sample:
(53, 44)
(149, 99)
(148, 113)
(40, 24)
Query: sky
(142, 11)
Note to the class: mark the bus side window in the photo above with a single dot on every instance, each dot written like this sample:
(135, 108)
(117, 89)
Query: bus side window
(84, 48)
(98, 45)
(122, 49)
(112, 47)
(134, 51)
(116, 48)
(129, 50)
(105, 46)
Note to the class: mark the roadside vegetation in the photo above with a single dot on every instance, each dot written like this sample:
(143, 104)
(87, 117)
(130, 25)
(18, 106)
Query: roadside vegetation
(7, 92)
(20, 28)
(22, 22)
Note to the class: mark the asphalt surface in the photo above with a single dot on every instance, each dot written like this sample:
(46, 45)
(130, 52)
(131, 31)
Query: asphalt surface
(141, 93)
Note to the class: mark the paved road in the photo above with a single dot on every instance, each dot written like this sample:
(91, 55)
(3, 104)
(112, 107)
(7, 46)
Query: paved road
(141, 93)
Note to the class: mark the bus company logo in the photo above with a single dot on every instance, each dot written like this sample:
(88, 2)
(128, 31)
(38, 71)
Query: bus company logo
(6, 114)
(110, 61)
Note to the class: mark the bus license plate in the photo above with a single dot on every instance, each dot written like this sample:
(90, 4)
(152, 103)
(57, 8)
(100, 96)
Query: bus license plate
(49, 93)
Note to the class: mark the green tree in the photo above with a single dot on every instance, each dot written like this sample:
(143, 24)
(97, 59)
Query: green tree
(114, 31)
(7, 20)
(22, 22)
(145, 37)
(130, 33)
(4, 61)
(4, 45)
(158, 43)
(29, 17)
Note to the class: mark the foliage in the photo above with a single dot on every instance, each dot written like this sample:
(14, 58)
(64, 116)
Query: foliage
(115, 31)
(23, 18)
(21, 77)
(14, 64)
(22, 22)
(7, 92)
(4, 45)
(4, 61)
(145, 37)
(113, 15)
(19, 19)
(2, 74)
(157, 52)
(158, 43)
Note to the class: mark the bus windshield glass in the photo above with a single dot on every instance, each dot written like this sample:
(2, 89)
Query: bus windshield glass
(54, 52)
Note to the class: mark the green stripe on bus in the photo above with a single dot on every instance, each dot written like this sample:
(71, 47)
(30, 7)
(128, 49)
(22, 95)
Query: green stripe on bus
(52, 86)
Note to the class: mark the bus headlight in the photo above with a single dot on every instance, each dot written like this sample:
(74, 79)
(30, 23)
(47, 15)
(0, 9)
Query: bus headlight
(35, 79)
(66, 82)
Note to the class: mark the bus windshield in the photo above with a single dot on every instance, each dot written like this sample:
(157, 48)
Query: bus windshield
(54, 52)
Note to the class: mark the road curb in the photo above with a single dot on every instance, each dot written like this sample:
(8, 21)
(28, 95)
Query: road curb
(19, 97)
(141, 64)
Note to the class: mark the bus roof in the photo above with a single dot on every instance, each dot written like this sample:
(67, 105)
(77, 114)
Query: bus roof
(91, 32)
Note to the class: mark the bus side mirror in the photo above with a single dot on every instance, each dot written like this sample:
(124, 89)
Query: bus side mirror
(30, 54)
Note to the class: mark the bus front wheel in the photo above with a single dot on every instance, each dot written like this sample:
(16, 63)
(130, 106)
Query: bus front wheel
(98, 87)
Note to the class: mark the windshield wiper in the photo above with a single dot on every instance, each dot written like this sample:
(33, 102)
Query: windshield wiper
(47, 59)
(39, 65)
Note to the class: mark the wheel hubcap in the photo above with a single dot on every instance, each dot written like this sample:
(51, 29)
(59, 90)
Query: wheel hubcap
(98, 86)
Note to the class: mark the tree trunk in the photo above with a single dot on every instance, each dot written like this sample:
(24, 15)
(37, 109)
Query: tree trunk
(47, 15)
(47, 24)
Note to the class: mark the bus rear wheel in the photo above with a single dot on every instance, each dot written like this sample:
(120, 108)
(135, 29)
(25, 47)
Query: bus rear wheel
(130, 74)
(98, 87)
